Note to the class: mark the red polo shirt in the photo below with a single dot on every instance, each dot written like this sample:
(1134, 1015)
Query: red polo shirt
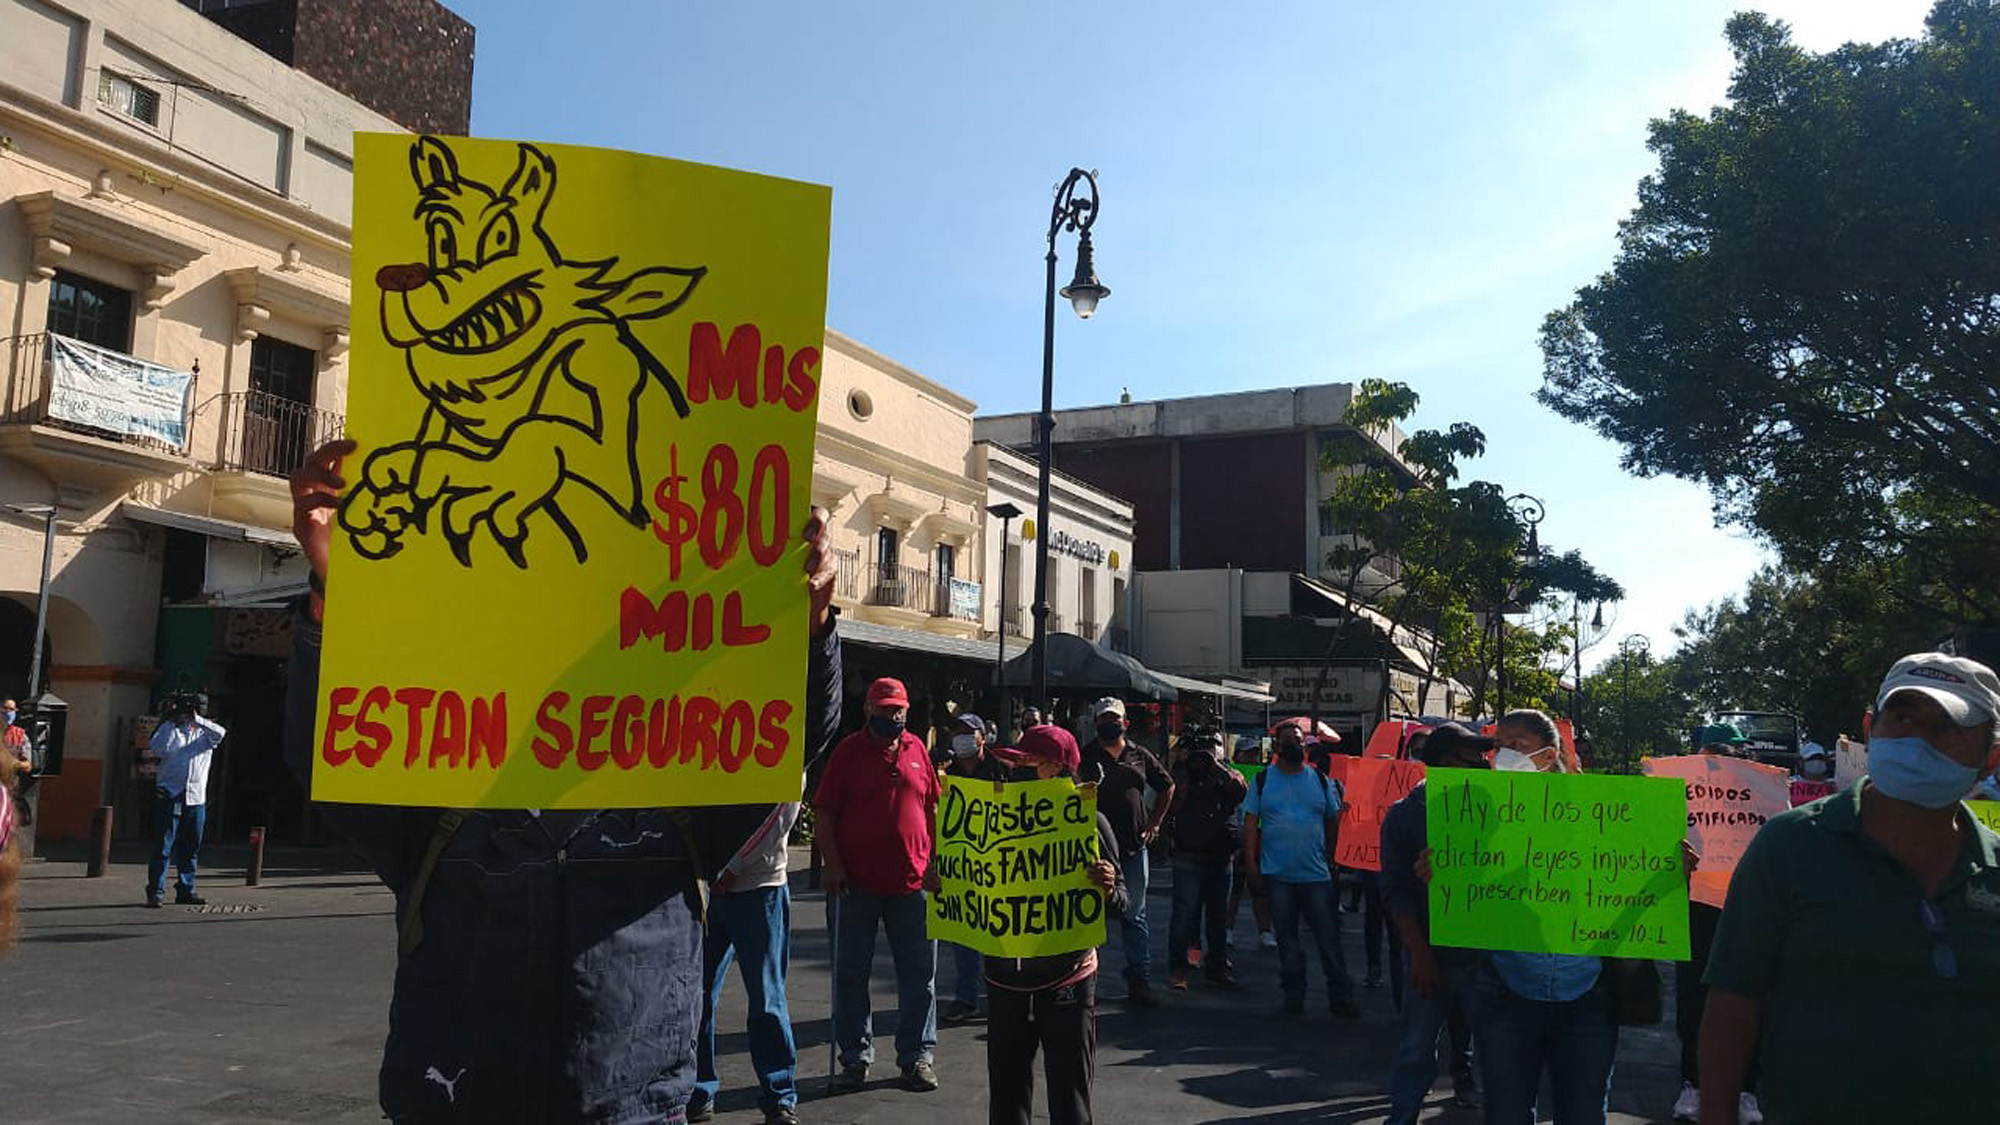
(882, 800)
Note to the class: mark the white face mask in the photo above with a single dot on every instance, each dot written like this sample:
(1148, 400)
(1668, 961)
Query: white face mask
(964, 745)
(1507, 758)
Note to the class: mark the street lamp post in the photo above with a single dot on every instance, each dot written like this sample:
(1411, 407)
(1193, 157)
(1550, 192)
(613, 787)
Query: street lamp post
(1075, 209)
(1007, 513)
(1634, 644)
(1527, 510)
(1576, 653)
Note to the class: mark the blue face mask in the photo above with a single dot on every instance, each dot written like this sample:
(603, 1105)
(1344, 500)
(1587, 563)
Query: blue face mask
(886, 728)
(1911, 769)
(10, 717)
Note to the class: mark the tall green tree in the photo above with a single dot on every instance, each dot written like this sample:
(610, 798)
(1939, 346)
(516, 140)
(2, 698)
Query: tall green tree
(1804, 311)
(1635, 708)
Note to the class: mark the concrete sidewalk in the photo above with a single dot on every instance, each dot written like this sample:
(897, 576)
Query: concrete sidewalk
(270, 1004)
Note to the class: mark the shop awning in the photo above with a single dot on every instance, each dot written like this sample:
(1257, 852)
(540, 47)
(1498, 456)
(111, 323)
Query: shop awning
(1075, 663)
(916, 640)
(1188, 685)
(1401, 637)
(228, 530)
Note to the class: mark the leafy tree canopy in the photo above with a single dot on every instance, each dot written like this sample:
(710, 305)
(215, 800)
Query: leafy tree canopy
(1804, 311)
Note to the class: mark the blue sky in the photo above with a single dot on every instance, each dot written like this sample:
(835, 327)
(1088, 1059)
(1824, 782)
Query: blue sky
(1293, 193)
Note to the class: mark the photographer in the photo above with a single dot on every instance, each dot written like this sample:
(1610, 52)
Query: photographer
(184, 745)
(1206, 796)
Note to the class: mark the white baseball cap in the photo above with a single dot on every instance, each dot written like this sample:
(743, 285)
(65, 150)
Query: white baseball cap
(1968, 691)
(1112, 705)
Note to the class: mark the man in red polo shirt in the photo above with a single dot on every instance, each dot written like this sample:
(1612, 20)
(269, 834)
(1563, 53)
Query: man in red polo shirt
(876, 816)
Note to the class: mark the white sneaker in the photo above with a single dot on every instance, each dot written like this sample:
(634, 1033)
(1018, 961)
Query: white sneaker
(1267, 939)
(1687, 1107)
(1748, 1112)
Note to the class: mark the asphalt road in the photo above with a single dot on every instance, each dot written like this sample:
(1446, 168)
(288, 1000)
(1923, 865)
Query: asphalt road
(270, 1005)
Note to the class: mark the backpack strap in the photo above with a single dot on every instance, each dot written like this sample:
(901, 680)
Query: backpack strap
(410, 927)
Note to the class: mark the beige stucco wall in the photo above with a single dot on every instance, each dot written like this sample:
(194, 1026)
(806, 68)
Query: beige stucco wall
(253, 174)
(894, 450)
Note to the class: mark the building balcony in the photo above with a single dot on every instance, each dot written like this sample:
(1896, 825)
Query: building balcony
(264, 437)
(91, 418)
(1014, 619)
(1087, 629)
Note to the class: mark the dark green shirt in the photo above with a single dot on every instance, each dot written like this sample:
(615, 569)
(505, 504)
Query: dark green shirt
(1827, 929)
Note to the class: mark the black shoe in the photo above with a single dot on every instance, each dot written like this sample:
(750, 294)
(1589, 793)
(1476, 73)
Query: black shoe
(1139, 992)
(782, 1115)
(1292, 1009)
(850, 1078)
(1344, 1009)
(153, 902)
(1223, 979)
(703, 1110)
(189, 898)
(920, 1076)
(1374, 979)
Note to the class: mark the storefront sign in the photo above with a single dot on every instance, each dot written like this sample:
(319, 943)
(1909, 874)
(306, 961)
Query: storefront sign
(1063, 543)
(1346, 689)
(107, 390)
(1011, 863)
(568, 570)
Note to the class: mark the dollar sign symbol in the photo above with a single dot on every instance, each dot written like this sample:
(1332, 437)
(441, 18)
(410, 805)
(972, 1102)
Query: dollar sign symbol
(681, 521)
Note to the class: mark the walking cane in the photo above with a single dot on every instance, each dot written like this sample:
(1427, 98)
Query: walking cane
(833, 1008)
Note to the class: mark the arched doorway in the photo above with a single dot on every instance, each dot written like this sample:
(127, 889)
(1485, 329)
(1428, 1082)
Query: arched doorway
(17, 643)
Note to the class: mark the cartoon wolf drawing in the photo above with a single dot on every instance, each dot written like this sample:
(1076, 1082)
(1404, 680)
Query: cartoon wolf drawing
(532, 376)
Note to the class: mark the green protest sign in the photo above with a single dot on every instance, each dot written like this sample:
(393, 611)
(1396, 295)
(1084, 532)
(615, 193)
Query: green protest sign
(1248, 771)
(1555, 863)
(1012, 863)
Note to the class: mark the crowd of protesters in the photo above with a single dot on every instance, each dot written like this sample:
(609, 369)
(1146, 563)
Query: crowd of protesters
(1850, 975)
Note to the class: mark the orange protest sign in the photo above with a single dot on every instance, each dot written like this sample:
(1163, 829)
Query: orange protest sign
(1373, 784)
(1728, 800)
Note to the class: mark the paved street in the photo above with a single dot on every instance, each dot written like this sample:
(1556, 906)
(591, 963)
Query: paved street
(269, 1005)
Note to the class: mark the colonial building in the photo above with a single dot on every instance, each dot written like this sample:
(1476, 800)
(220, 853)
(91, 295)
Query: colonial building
(174, 207)
(1090, 552)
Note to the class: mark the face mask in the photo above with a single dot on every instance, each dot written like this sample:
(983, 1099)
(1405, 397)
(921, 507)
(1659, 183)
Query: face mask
(886, 728)
(1508, 758)
(1111, 731)
(10, 716)
(1292, 752)
(1024, 773)
(964, 745)
(1814, 768)
(1911, 769)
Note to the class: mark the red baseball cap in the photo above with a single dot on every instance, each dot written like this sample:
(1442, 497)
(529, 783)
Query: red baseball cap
(888, 691)
(1050, 742)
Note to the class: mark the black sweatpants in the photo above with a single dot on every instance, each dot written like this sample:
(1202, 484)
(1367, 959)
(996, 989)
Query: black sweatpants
(1059, 1022)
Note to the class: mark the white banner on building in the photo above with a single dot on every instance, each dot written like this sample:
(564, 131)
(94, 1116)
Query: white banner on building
(107, 390)
(964, 600)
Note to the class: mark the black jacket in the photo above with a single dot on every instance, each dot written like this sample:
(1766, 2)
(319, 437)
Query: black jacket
(559, 978)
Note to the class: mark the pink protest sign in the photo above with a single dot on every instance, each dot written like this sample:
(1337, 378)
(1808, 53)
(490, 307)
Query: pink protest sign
(1728, 800)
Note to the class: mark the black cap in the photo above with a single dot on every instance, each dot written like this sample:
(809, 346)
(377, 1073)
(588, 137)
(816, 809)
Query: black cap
(1453, 736)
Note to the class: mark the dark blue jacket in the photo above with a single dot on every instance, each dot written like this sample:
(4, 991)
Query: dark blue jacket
(1405, 834)
(559, 976)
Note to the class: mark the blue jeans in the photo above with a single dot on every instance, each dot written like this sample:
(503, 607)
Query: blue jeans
(1201, 894)
(1313, 902)
(969, 969)
(857, 914)
(753, 927)
(1518, 1039)
(1138, 950)
(1416, 1065)
(177, 829)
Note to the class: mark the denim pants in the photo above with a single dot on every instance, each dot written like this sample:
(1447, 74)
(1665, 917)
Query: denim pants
(1138, 951)
(857, 915)
(1416, 1065)
(177, 829)
(969, 973)
(754, 928)
(1201, 895)
(1313, 902)
(1517, 1039)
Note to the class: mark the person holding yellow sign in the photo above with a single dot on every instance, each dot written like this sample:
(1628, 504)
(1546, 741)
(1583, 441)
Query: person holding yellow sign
(550, 960)
(1048, 1004)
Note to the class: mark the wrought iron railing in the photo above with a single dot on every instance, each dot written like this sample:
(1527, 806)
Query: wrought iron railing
(901, 587)
(31, 394)
(1014, 619)
(1118, 638)
(847, 583)
(1087, 629)
(265, 433)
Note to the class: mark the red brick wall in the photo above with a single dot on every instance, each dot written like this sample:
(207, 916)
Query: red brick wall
(1243, 502)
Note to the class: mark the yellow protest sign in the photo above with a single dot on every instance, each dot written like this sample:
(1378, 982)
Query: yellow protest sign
(1012, 864)
(567, 570)
(1728, 800)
